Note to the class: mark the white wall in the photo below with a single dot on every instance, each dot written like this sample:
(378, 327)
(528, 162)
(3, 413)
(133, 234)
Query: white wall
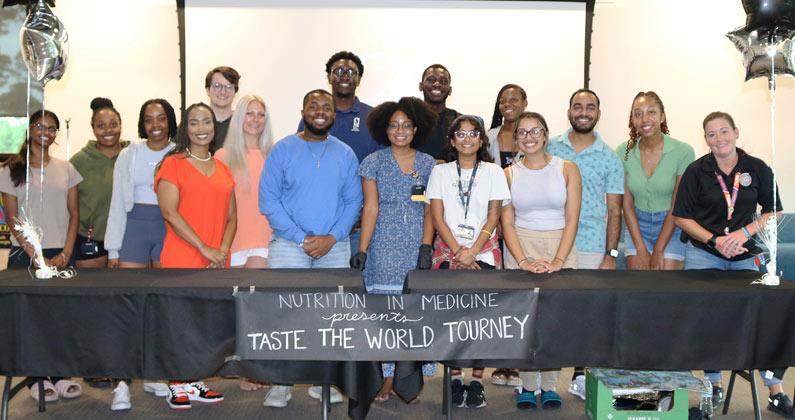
(678, 48)
(280, 48)
(127, 51)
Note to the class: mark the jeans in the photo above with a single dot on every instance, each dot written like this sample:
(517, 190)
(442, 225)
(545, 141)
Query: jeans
(284, 253)
(650, 225)
(697, 258)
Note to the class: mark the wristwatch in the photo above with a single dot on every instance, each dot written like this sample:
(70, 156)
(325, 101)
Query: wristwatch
(711, 241)
(612, 252)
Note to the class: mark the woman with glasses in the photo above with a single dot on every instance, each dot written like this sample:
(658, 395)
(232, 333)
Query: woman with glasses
(221, 84)
(466, 195)
(511, 102)
(50, 202)
(136, 229)
(397, 230)
(539, 225)
(653, 165)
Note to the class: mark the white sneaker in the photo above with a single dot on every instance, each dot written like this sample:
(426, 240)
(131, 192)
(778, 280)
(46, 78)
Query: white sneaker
(121, 397)
(577, 387)
(317, 390)
(278, 396)
(158, 388)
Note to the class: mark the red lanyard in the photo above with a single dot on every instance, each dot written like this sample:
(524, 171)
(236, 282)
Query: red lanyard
(730, 201)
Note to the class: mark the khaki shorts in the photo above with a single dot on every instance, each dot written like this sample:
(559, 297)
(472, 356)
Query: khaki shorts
(540, 244)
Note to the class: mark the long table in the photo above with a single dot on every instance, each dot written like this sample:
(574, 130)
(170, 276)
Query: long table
(180, 324)
(159, 324)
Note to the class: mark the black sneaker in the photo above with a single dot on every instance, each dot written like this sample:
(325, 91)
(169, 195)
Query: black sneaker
(476, 397)
(717, 397)
(781, 405)
(459, 392)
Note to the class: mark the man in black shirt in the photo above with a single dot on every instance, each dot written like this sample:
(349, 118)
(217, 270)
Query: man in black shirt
(435, 87)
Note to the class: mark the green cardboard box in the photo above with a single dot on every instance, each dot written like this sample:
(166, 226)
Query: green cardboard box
(599, 404)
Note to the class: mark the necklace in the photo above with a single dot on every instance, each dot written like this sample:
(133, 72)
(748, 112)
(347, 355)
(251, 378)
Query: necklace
(325, 144)
(209, 156)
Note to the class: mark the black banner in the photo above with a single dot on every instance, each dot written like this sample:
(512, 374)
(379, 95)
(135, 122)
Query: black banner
(359, 326)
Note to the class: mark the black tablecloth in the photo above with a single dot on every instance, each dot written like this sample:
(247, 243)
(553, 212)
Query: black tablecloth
(159, 324)
(697, 319)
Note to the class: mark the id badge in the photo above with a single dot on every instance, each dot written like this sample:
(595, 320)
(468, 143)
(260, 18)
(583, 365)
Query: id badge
(89, 248)
(418, 193)
(465, 232)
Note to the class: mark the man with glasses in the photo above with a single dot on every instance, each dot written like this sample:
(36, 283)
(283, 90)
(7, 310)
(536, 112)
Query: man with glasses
(602, 190)
(344, 71)
(435, 87)
(221, 84)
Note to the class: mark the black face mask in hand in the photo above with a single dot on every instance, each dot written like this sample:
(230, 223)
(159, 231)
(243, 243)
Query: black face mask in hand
(357, 261)
(425, 260)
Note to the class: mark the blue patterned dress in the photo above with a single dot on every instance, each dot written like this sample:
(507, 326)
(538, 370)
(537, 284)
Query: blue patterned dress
(397, 237)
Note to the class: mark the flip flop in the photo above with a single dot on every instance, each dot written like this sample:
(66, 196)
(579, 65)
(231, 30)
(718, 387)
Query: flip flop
(48, 386)
(63, 386)
(526, 400)
(247, 385)
(512, 378)
(550, 400)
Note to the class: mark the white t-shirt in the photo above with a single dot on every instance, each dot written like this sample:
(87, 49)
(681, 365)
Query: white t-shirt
(489, 184)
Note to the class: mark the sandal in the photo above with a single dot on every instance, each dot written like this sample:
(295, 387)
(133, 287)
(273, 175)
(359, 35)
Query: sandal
(48, 386)
(526, 400)
(500, 377)
(550, 400)
(512, 378)
(249, 385)
(68, 388)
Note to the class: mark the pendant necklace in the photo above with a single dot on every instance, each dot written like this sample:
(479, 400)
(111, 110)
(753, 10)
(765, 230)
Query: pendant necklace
(313, 153)
(209, 156)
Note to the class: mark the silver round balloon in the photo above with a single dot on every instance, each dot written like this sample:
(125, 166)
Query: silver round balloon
(44, 43)
(765, 51)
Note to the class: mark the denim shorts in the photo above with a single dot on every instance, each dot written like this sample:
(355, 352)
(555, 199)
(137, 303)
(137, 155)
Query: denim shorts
(650, 226)
(143, 236)
(698, 259)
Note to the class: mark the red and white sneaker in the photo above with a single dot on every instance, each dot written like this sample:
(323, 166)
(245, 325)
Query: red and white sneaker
(198, 391)
(177, 398)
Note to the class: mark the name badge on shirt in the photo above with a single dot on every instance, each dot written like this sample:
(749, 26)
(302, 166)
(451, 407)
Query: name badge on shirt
(418, 193)
(465, 232)
(355, 124)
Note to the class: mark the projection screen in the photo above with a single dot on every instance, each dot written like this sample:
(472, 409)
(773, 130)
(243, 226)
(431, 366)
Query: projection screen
(280, 48)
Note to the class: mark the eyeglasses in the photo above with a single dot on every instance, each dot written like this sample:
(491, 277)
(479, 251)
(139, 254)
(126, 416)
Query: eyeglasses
(461, 134)
(397, 125)
(338, 72)
(218, 86)
(43, 127)
(536, 133)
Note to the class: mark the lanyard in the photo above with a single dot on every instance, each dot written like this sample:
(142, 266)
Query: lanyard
(468, 193)
(730, 201)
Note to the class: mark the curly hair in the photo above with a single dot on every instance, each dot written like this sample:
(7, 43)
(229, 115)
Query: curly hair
(344, 55)
(633, 133)
(181, 141)
(496, 119)
(17, 164)
(172, 118)
(450, 152)
(418, 111)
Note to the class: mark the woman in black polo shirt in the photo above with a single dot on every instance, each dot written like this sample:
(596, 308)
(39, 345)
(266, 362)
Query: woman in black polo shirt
(716, 207)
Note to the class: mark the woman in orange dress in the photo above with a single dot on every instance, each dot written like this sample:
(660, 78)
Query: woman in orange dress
(195, 193)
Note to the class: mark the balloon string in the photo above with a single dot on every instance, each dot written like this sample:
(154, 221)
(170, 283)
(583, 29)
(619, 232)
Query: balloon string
(25, 141)
(774, 226)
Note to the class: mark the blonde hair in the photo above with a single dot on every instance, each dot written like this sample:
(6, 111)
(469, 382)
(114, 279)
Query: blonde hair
(235, 143)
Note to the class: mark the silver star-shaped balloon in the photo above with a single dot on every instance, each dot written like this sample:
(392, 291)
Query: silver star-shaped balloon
(765, 52)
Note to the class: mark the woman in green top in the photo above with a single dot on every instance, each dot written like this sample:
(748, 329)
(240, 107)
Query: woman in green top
(653, 165)
(95, 164)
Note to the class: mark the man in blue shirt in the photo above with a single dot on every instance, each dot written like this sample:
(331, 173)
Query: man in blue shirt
(312, 196)
(602, 190)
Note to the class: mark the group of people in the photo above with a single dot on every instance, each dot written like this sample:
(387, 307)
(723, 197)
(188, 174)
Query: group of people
(406, 185)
